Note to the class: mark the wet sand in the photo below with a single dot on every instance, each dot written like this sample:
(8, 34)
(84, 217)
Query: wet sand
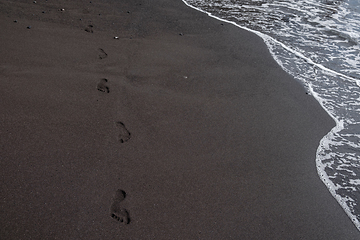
(181, 127)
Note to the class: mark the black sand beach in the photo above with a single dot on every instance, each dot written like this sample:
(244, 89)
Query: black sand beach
(149, 120)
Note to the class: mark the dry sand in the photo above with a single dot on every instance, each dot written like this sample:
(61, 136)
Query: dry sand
(182, 128)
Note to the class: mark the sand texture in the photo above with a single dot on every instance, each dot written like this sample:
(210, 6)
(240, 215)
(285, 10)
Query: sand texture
(143, 119)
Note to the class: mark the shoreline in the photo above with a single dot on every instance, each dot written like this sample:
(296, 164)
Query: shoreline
(196, 123)
(319, 165)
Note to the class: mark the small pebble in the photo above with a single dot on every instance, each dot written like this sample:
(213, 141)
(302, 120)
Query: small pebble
(28, 27)
(15, 21)
(181, 34)
(116, 37)
(34, 1)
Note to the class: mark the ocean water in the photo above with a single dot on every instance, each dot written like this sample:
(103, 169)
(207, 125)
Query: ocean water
(317, 42)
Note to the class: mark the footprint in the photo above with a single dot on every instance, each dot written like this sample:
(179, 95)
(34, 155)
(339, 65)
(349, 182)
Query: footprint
(117, 212)
(101, 86)
(124, 134)
(89, 28)
(102, 54)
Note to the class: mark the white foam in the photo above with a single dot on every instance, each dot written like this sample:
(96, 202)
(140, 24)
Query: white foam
(269, 41)
(358, 82)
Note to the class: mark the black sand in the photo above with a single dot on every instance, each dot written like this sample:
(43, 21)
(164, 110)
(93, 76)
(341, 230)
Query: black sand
(196, 133)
